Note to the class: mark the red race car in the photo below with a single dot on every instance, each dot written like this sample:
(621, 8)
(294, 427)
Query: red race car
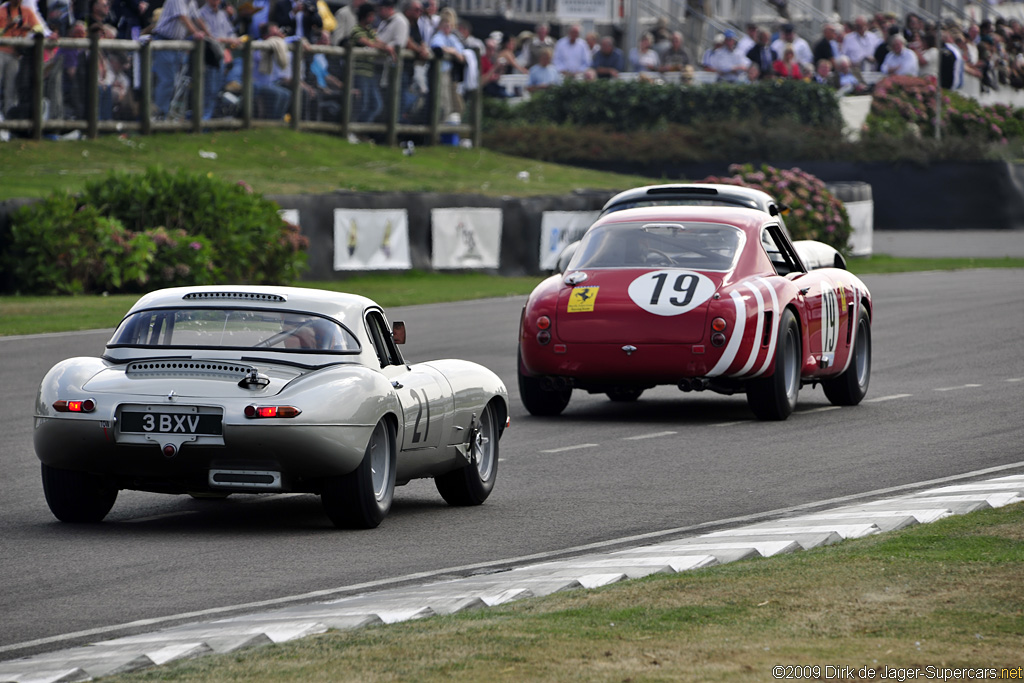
(702, 297)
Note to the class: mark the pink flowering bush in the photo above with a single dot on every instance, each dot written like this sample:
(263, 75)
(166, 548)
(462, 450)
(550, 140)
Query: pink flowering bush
(814, 213)
(905, 105)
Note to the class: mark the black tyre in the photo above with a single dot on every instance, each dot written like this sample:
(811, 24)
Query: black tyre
(850, 388)
(78, 497)
(625, 395)
(362, 498)
(537, 399)
(471, 484)
(774, 397)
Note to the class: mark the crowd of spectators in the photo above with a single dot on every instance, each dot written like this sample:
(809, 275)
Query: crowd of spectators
(848, 55)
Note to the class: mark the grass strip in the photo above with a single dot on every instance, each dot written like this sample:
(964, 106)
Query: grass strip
(283, 161)
(40, 314)
(944, 595)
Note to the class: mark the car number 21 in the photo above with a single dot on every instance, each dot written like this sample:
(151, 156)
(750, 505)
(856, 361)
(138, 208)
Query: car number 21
(670, 292)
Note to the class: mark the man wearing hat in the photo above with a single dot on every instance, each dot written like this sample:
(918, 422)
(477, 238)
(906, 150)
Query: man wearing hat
(728, 62)
(801, 49)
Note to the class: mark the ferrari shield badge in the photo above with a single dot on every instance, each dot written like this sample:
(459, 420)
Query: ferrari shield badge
(582, 299)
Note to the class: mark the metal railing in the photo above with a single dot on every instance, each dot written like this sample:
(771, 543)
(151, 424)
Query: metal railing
(111, 90)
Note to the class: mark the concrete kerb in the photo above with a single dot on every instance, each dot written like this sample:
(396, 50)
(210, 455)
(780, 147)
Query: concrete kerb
(801, 531)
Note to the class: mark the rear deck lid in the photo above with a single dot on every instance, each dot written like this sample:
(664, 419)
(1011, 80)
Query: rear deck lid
(629, 306)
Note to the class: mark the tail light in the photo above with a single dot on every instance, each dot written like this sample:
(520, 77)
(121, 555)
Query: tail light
(256, 412)
(77, 406)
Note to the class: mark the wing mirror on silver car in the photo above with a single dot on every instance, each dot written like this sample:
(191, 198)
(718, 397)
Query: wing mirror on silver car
(398, 332)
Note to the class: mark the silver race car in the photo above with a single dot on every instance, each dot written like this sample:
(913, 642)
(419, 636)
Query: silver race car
(217, 390)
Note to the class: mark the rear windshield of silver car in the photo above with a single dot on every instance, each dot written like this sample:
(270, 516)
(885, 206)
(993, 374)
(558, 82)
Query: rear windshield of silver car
(697, 246)
(234, 328)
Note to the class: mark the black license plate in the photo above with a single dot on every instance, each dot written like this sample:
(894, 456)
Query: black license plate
(171, 423)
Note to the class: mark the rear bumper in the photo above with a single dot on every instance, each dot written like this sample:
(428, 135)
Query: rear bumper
(647, 364)
(301, 454)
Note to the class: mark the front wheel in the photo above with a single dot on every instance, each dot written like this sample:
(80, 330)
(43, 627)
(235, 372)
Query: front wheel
(362, 498)
(850, 388)
(774, 397)
(537, 399)
(472, 483)
(78, 497)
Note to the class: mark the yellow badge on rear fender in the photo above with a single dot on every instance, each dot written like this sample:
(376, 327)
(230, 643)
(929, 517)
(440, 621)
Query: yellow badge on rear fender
(582, 299)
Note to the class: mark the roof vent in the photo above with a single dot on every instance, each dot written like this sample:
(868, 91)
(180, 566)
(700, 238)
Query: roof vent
(247, 296)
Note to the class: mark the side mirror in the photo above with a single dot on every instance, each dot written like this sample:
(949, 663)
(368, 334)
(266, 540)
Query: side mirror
(398, 332)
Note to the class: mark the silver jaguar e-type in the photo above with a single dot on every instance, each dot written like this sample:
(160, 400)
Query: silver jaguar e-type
(217, 390)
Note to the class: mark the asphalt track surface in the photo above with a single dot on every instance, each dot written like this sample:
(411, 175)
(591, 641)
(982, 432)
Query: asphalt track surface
(946, 398)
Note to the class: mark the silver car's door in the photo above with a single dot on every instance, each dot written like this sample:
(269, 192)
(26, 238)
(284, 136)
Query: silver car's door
(424, 394)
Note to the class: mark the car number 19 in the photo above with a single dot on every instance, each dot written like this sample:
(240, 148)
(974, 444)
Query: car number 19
(670, 292)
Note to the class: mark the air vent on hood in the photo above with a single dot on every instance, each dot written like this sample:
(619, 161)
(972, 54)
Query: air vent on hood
(248, 296)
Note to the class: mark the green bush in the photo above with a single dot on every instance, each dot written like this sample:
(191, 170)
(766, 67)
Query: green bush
(251, 242)
(129, 233)
(814, 213)
(641, 105)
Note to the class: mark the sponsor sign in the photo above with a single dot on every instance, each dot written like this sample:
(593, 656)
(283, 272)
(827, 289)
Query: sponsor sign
(583, 9)
(371, 239)
(559, 228)
(466, 238)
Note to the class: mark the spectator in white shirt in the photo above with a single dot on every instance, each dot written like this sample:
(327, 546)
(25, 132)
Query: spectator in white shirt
(727, 61)
(572, 54)
(801, 48)
(901, 61)
(859, 45)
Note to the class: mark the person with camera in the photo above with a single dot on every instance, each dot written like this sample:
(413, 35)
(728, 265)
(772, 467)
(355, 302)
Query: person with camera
(15, 22)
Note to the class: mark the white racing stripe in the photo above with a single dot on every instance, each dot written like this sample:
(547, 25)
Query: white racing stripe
(755, 344)
(774, 332)
(737, 336)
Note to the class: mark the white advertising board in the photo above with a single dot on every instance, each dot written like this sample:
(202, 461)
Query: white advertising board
(559, 228)
(466, 238)
(583, 10)
(371, 239)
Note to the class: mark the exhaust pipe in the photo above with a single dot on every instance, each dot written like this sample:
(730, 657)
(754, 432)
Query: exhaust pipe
(684, 385)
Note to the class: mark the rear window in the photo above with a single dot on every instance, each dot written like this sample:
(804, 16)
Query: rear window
(234, 329)
(697, 246)
(681, 200)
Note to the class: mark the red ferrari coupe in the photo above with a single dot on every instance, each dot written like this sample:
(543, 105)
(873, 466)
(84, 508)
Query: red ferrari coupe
(703, 297)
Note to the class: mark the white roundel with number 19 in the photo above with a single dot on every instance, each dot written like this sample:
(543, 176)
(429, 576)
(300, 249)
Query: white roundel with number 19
(671, 292)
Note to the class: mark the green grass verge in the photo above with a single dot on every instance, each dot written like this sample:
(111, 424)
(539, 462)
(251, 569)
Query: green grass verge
(881, 263)
(942, 595)
(39, 314)
(280, 161)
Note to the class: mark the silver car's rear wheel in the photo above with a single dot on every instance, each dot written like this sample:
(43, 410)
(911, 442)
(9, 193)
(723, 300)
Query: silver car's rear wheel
(362, 498)
(77, 496)
(472, 483)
